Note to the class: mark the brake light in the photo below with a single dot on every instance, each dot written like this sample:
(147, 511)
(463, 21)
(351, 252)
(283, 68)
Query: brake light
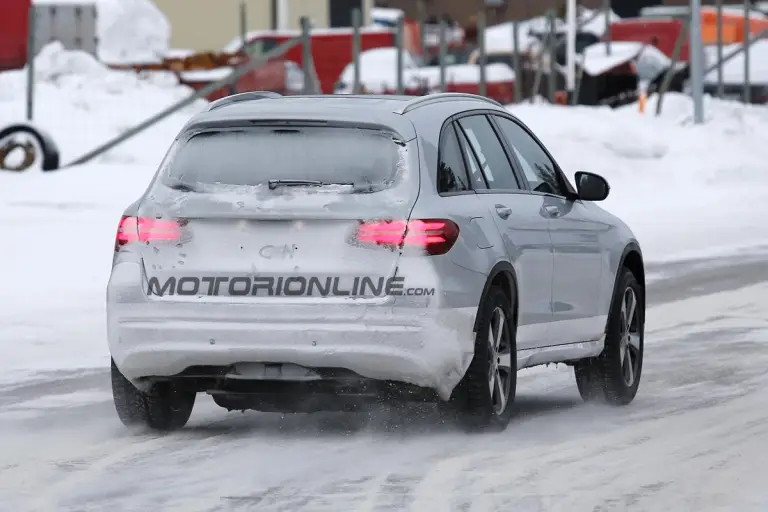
(145, 230)
(434, 236)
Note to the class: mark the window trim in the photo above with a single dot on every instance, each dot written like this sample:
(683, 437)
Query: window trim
(513, 164)
(450, 125)
(570, 193)
(465, 141)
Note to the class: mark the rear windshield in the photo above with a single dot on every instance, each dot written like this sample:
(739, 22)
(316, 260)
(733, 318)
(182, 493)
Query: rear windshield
(256, 156)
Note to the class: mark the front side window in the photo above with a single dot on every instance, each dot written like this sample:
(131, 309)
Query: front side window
(539, 169)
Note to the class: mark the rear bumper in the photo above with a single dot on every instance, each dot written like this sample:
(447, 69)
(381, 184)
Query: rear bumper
(427, 347)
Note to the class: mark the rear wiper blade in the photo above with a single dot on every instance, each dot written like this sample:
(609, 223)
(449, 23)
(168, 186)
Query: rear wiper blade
(273, 184)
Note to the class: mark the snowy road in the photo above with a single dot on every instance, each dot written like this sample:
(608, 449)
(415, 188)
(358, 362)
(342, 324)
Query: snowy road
(695, 438)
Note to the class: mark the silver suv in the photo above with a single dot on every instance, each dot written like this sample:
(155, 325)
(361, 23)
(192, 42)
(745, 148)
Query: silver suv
(331, 252)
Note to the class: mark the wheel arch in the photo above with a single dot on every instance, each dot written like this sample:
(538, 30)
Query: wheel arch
(632, 259)
(504, 276)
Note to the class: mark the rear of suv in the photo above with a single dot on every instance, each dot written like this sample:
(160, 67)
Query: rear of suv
(298, 254)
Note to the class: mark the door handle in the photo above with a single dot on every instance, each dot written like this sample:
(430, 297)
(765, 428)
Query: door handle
(552, 210)
(502, 211)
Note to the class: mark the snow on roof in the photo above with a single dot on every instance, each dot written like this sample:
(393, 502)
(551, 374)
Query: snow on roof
(682, 10)
(596, 59)
(235, 44)
(385, 15)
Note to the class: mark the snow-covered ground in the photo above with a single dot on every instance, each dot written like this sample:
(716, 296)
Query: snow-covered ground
(696, 437)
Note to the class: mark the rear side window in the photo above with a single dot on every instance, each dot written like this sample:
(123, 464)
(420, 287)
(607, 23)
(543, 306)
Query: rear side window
(368, 159)
(451, 175)
(489, 152)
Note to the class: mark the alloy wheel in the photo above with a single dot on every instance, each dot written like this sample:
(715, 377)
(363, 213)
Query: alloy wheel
(629, 342)
(500, 364)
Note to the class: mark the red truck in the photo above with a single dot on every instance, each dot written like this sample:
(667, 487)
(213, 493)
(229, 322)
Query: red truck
(331, 49)
(661, 33)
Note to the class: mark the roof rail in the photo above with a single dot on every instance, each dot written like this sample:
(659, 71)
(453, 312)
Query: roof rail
(243, 96)
(443, 96)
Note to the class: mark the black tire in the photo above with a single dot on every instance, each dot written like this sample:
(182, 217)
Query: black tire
(604, 378)
(164, 408)
(473, 404)
(49, 160)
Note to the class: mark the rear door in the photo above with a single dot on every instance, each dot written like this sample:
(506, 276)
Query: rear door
(258, 213)
(520, 218)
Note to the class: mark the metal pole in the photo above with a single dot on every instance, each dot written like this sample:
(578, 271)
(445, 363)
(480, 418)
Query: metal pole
(243, 13)
(696, 63)
(552, 89)
(255, 63)
(747, 33)
(422, 35)
(516, 61)
(306, 54)
(31, 54)
(570, 52)
(676, 51)
(535, 89)
(443, 54)
(483, 57)
(720, 88)
(244, 23)
(282, 14)
(577, 90)
(399, 42)
(607, 14)
(357, 21)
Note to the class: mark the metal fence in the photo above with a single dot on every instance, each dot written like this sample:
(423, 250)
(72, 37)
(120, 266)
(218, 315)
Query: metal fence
(700, 82)
(534, 72)
(540, 80)
(542, 77)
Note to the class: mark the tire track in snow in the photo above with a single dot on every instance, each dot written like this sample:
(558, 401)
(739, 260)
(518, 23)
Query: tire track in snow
(696, 435)
(106, 455)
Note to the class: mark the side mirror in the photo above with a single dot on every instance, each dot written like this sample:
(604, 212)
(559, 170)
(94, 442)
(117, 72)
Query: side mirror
(591, 187)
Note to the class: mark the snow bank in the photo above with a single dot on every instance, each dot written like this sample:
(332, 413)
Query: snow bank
(82, 103)
(128, 30)
(684, 189)
(377, 66)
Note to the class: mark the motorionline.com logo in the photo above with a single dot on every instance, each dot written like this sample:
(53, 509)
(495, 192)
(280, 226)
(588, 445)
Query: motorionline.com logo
(293, 286)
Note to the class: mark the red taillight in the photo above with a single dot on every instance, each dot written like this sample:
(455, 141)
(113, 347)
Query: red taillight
(435, 236)
(133, 229)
